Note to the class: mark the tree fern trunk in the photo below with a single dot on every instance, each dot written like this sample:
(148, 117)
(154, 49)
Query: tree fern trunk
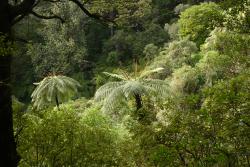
(138, 101)
(57, 102)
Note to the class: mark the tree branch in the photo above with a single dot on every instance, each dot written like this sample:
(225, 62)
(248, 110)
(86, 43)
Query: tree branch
(81, 6)
(18, 132)
(47, 17)
(18, 12)
(91, 15)
(16, 20)
(53, 1)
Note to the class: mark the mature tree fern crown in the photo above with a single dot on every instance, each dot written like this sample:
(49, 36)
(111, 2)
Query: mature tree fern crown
(53, 90)
(112, 93)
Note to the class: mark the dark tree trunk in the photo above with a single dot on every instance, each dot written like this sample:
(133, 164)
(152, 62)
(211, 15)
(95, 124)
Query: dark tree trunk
(9, 15)
(57, 102)
(139, 114)
(138, 101)
(9, 156)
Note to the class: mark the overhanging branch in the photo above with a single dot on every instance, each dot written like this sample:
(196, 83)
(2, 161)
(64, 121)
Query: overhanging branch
(18, 12)
(47, 17)
(92, 15)
(17, 19)
(81, 6)
(53, 1)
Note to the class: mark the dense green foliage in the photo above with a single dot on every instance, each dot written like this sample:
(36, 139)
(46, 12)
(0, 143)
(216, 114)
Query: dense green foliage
(70, 138)
(199, 20)
(184, 99)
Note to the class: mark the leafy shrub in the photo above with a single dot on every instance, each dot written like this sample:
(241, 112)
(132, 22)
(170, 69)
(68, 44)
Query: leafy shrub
(199, 20)
(72, 138)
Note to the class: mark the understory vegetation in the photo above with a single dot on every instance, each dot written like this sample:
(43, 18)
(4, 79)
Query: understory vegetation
(167, 85)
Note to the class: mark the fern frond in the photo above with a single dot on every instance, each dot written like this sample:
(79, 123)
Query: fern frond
(149, 72)
(41, 86)
(51, 91)
(125, 74)
(117, 76)
(51, 87)
(132, 88)
(113, 99)
(159, 86)
(106, 89)
(113, 93)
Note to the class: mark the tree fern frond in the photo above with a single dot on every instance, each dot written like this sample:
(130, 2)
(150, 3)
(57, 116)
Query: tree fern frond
(36, 83)
(42, 85)
(132, 88)
(125, 74)
(39, 91)
(106, 89)
(51, 91)
(155, 82)
(113, 99)
(114, 93)
(160, 86)
(51, 87)
(71, 81)
(149, 72)
(150, 91)
(117, 76)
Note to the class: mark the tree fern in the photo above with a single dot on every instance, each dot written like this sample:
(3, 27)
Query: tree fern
(53, 90)
(112, 93)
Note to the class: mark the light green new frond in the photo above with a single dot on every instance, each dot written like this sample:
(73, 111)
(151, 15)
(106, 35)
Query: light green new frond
(106, 89)
(149, 72)
(117, 76)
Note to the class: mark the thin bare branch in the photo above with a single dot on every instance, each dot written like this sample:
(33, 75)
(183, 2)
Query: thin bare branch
(92, 15)
(52, 1)
(17, 19)
(81, 6)
(47, 17)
